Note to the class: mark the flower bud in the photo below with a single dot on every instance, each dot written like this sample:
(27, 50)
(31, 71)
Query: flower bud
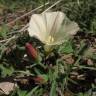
(41, 79)
(31, 51)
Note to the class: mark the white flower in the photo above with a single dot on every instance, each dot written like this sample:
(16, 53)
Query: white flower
(52, 28)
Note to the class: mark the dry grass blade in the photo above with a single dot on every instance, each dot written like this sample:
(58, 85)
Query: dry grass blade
(52, 6)
(30, 12)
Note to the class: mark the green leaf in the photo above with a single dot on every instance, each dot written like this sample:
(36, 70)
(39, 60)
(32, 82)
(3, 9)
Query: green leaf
(53, 89)
(37, 71)
(6, 70)
(93, 25)
(32, 91)
(3, 31)
(50, 75)
(21, 92)
(45, 77)
(84, 94)
(66, 48)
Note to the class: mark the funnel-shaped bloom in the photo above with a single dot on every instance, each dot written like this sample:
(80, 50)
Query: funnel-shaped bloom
(52, 28)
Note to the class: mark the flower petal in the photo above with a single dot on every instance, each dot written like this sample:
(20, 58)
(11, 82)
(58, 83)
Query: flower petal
(53, 21)
(37, 27)
(67, 30)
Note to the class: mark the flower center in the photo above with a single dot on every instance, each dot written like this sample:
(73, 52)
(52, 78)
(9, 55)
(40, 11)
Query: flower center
(50, 40)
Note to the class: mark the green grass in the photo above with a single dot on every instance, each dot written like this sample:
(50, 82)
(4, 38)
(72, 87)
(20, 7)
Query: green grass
(59, 76)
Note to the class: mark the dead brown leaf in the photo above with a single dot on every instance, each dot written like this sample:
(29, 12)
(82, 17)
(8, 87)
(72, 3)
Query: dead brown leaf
(68, 59)
(7, 87)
